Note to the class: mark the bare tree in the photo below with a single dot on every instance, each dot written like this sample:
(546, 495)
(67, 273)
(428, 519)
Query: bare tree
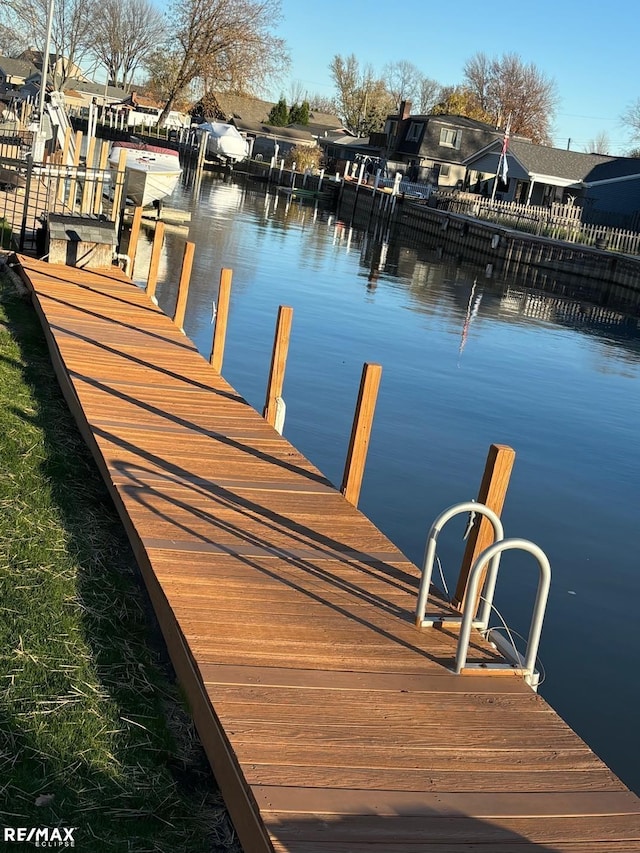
(74, 22)
(297, 93)
(405, 82)
(362, 100)
(126, 33)
(320, 103)
(401, 79)
(479, 73)
(508, 88)
(10, 41)
(229, 44)
(631, 118)
(600, 144)
(428, 95)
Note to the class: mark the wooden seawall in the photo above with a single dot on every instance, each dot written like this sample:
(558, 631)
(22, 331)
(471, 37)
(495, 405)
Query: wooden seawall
(332, 724)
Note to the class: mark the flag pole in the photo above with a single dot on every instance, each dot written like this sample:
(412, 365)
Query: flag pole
(502, 160)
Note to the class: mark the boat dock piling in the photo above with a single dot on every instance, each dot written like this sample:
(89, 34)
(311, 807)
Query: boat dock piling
(361, 432)
(274, 409)
(183, 285)
(221, 320)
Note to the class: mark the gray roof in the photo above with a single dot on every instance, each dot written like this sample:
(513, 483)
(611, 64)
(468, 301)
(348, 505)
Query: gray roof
(246, 111)
(543, 160)
(96, 89)
(16, 67)
(619, 167)
(260, 129)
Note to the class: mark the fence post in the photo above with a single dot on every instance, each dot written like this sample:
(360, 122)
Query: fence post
(222, 317)
(278, 363)
(89, 177)
(492, 493)
(71, 201)
(361, 432)
(102, 167)
(25, 202)
(183, 286)
(154, 263)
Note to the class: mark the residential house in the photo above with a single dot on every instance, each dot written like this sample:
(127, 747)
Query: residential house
(434, 148)
(142, 111)
(612, 193)
(14, 73)
(59, 67)
(341, 149)
(606, 188)
(78, 94)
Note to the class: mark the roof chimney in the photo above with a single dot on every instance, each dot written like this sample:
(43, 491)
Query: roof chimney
(405, 110)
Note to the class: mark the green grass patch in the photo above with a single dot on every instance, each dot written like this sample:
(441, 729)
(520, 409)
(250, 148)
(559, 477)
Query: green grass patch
(93, 733)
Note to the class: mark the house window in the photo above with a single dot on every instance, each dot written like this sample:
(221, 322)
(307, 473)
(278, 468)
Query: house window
(415, 129)
(450, 138)
(390, 128)
(444, 170)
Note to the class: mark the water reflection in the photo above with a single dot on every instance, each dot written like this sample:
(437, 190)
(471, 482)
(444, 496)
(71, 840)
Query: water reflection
(550, 369)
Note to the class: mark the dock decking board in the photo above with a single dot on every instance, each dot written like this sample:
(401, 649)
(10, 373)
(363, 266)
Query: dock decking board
(331, 722)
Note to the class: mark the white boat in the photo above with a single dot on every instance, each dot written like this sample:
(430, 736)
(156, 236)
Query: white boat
(224, 143)
(152, 172)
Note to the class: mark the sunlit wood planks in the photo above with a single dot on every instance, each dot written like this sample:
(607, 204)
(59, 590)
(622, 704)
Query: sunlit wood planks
(331, 723)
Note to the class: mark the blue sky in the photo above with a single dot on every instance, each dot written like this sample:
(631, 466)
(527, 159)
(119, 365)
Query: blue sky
(590, 50)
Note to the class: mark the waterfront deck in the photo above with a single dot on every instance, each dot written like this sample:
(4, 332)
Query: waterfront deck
(332, 724)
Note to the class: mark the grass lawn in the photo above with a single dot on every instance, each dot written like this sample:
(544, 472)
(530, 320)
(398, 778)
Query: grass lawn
(93, 731)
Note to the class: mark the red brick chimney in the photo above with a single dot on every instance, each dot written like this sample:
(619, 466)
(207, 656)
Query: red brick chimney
(405, 110)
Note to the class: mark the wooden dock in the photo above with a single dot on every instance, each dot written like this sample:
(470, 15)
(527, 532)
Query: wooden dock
(332, 724)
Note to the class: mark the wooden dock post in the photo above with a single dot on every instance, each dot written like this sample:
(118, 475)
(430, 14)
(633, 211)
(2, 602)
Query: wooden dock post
(73, 183)
(88, 189)
(278, 363)
(118, 189)
(183, 286)
(361, 432)
(134, 235)
(103, 159)
(156, 249)
(493, 490)
(222, 317)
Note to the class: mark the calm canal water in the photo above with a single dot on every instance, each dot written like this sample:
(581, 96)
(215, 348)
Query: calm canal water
(466, 362)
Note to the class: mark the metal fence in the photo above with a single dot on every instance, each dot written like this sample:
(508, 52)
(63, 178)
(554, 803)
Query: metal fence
(15, 144)
(30, 192)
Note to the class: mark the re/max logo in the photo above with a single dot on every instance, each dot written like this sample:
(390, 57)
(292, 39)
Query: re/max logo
(42, 836)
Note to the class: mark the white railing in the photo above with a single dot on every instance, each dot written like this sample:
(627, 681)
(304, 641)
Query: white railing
(557, 222)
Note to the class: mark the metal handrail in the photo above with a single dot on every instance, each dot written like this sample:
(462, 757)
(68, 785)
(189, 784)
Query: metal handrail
(539, 606)
(430, 555)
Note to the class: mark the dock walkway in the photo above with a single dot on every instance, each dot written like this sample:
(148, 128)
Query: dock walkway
(332, 724)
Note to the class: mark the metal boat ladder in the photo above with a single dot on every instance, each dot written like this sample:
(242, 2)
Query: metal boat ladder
(525, 664)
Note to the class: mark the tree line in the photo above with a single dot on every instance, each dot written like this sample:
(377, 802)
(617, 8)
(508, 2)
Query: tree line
(232, 45)
(224, 45)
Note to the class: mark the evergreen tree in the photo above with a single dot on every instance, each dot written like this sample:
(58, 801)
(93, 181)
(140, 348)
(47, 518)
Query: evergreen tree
(279, 115)
(299, 114)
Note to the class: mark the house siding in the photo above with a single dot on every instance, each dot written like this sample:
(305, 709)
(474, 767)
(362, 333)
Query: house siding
(427, 152)
(621, 197)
